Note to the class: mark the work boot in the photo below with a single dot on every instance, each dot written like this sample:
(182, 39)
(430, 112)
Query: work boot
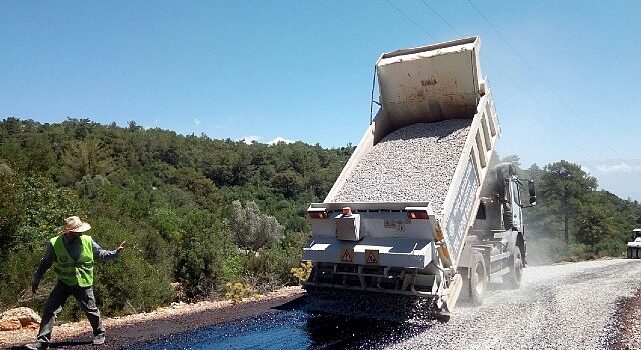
(99, 339)
(37, 345)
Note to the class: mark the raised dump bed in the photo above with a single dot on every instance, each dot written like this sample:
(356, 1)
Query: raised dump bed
(430, 142)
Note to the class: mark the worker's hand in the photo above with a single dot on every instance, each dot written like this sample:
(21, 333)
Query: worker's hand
(121, 247)
(34, 287)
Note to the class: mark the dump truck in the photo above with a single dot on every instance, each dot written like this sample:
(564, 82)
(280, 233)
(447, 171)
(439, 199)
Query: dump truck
(634, 247)
(421, 208)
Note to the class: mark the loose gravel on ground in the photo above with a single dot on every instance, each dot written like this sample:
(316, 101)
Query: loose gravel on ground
(414, 163)
(567, 306)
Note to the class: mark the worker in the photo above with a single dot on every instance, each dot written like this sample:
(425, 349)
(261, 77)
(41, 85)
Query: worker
(72, 255)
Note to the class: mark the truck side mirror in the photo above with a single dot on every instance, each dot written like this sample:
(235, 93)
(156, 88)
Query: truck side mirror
(532, 190)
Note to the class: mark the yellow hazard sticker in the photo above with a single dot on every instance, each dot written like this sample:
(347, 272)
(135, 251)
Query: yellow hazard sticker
(371, 257)
(347, 256)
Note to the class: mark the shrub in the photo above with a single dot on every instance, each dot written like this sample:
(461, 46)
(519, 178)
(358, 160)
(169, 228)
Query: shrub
(236, 291)
(302, 272)
(610, 247)
(199, 264)
(132, 283)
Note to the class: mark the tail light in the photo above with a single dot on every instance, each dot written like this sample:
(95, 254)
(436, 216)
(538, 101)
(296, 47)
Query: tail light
(417, 215)
(347, 211)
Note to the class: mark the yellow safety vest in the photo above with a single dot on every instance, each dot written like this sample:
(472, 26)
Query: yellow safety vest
(74, 272)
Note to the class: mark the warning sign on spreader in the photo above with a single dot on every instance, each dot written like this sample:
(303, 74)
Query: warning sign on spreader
(347, 256)
(371, 257)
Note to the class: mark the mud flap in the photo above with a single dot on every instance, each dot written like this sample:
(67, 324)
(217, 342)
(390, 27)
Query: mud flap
(449, 300)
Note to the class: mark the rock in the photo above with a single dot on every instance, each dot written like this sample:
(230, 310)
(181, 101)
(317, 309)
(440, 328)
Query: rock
(178, 305)
(22, 317)
(10, 325)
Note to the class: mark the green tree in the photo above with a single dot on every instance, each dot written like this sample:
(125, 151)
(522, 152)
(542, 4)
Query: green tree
(85, 158)
(566, 187)
(203, 250)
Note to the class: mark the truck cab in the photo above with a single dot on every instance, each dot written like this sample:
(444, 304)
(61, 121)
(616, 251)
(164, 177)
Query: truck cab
(495, 246)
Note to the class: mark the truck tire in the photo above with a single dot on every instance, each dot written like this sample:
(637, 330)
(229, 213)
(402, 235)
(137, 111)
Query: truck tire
(513, 279)
(629, 253)
(478, 279)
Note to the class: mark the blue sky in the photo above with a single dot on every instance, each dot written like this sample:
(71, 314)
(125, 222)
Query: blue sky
(564, 74)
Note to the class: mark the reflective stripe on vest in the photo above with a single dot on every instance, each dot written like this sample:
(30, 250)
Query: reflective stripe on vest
(73, 272)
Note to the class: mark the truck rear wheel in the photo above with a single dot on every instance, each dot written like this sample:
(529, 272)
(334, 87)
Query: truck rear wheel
(513, 279)
(629, 253)
(478, 279)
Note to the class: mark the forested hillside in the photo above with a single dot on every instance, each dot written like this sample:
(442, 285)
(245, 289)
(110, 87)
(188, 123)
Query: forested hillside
(193, 210)
(573, 219)
(199, 213)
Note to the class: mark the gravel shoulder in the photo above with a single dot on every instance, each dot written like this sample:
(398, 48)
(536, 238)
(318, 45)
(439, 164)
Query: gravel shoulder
(127, 330)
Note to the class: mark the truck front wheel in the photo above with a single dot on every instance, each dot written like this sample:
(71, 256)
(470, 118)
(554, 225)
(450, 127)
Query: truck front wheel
(513, 279)
(478, 279)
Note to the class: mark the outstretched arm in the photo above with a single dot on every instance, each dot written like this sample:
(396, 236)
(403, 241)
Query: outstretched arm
(106, 255)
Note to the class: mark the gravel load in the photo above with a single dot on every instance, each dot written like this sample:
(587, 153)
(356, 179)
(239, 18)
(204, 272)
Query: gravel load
(412, 164)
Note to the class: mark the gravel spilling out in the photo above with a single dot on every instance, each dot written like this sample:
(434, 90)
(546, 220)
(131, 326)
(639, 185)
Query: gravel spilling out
(409, 310)
(414, 163)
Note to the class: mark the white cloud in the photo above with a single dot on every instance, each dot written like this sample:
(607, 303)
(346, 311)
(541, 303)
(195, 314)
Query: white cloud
(249, 139)
(254, 138)
(196, 121)
(621, 167)
(618, 176)
(278, 140)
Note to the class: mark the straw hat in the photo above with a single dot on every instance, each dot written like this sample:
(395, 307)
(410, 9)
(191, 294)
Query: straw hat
(74, 224)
